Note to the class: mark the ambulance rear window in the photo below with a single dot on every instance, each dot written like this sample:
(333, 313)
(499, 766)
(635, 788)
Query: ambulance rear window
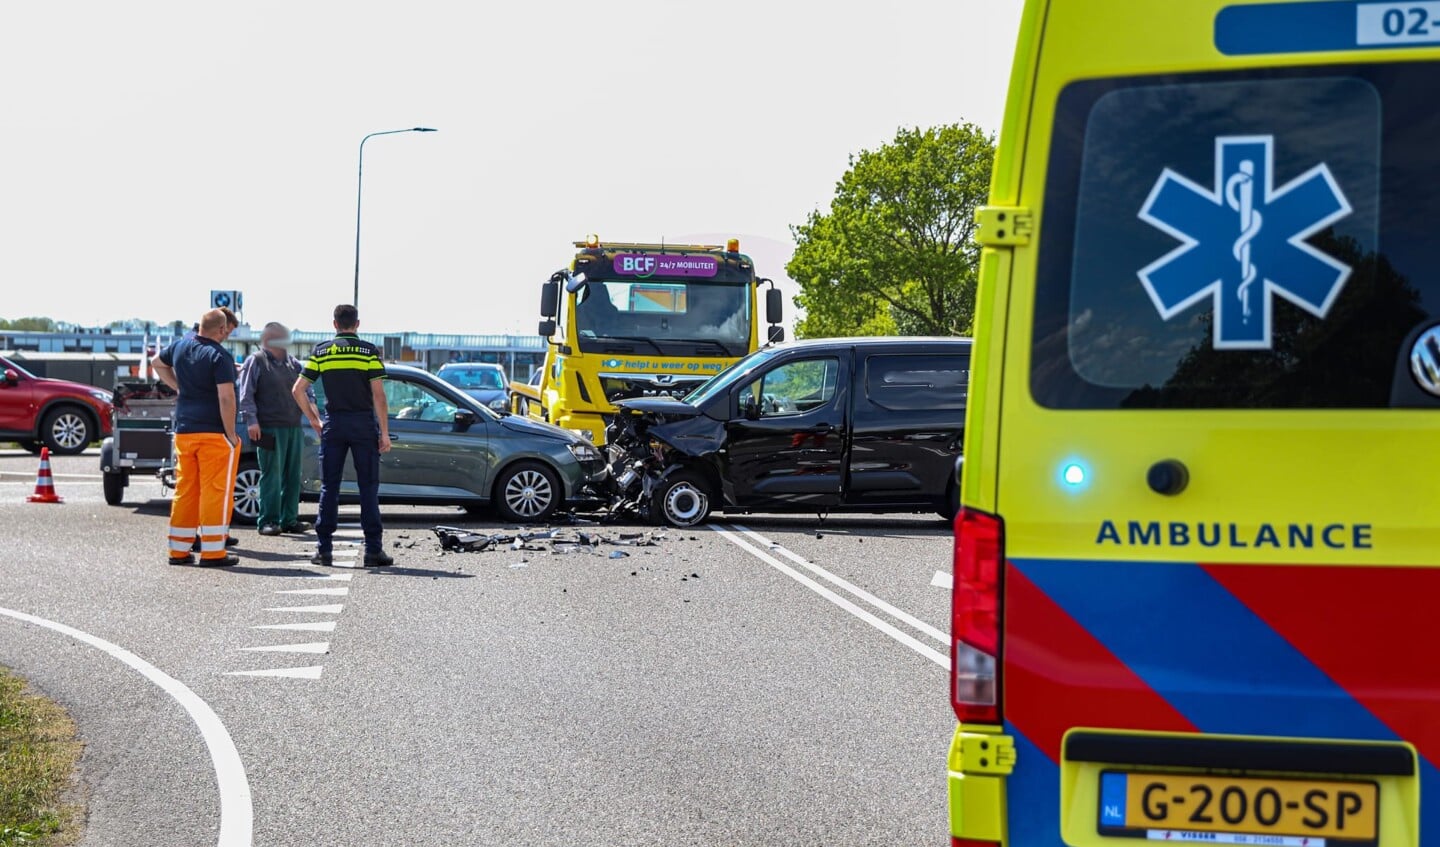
(1268, 239)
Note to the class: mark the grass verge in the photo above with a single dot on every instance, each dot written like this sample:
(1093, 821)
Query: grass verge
(38, 752)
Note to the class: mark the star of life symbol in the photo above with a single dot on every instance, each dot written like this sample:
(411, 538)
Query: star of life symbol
(1243, 242)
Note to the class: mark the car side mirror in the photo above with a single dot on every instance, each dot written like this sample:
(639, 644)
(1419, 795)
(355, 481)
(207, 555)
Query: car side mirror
(12, 376)
(546, 328)
(774, 306)
(464, 419)
(550, 299)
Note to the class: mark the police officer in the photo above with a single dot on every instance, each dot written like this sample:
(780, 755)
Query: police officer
(352, 375)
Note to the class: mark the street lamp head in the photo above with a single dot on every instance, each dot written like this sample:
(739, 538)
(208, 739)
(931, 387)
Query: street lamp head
(423, 129)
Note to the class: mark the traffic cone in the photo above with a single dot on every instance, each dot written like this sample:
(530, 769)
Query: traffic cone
(44, 483)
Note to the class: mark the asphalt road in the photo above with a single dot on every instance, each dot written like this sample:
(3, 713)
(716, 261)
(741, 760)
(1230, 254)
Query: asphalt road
(748, 683)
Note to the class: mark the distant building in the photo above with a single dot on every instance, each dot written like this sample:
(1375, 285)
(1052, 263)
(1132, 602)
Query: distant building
(520, 355)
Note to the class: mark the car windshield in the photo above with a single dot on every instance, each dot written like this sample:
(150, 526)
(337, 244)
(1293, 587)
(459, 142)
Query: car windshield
(657, 310)
(472, 379)
(6, 363)
(721, 382)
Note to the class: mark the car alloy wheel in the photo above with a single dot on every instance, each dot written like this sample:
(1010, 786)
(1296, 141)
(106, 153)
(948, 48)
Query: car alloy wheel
(70, 431)
(528, 493)
(247, 494)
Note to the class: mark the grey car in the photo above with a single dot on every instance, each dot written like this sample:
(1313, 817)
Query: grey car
(484, 382)
(449, 449)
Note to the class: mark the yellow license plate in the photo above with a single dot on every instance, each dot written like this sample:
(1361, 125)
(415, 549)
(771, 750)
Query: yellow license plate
(1138, 804)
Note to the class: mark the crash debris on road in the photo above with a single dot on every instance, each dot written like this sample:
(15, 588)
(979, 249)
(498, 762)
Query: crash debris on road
(556, 541)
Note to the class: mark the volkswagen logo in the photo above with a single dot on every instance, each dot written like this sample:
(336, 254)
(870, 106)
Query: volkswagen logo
(1425, 360)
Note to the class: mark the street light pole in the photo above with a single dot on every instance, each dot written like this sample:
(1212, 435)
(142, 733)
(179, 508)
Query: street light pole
(359, 193)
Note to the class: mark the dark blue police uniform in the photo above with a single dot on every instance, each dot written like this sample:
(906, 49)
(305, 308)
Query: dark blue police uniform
(345, 366)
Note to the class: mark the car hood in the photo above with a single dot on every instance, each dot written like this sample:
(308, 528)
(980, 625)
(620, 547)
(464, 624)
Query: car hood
(67, 385)
(667, 407)
(486, 395)
(529, 426)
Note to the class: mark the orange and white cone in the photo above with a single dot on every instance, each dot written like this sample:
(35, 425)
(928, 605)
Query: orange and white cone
(44, 482)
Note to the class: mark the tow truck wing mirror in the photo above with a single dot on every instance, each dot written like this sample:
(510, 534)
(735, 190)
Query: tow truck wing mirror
(12, 376)
(546, 328)
(549, 299)
(777, 334)
(774, 306)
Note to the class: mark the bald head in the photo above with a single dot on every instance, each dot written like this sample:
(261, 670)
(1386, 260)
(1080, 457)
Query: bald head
(214, 323)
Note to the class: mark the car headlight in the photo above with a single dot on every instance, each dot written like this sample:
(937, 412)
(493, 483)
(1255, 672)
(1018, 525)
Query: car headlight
(584, 452)
(498, 404)
(102, 396)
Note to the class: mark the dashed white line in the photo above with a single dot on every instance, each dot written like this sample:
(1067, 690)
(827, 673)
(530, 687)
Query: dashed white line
(308, 626)
(902, 616)
(338, 577)
(307, 647)
(943, 580)
(326, 592)
(286, 673)
(236, 809)
(327, 609)
(863, 614)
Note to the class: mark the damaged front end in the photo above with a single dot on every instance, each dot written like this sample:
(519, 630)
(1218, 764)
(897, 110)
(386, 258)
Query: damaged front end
(663, 460)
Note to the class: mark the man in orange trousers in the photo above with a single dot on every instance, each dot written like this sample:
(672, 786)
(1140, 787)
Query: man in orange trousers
(207, 447)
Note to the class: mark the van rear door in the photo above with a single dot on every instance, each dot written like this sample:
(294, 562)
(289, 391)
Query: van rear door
(1217, 454)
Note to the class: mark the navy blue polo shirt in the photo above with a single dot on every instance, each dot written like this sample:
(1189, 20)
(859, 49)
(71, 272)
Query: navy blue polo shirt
(201, 365)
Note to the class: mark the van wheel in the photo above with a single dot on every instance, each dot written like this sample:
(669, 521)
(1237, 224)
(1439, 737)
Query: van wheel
(114, 485)
(951, 508)
(682, 500)
(29, 445)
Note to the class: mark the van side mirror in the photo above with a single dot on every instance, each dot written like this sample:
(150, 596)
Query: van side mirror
(546, 328)
(749, 407)
(549, 299)
(774, 306)
(777, 334)
(12, 376)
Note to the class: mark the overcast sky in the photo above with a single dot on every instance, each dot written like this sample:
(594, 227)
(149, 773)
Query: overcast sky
(154, 151)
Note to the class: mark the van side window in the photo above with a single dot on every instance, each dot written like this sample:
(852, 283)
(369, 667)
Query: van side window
(793, 388)
(913, 383)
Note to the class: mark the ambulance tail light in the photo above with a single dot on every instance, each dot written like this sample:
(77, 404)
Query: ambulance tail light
(975, 617)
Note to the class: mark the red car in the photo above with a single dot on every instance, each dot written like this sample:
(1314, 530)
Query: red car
(65, 416)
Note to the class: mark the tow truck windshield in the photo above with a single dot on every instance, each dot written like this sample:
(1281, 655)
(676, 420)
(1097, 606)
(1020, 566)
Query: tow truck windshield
(665, 314)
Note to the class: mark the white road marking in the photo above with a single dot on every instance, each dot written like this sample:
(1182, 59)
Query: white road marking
(883, 625)
(339, 577)
(308, 626)
(327, 609)
(308, 647)
(943, 580)
(291, 673)
(345, 554)
(347, 526)
(902, 616)
(338, 543)
(236, 809)
(327, 592)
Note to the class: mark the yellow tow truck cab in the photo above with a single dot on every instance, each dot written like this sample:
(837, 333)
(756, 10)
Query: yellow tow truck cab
(639, 320)
(1198, 552)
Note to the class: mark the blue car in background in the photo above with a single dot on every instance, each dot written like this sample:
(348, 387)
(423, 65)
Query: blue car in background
(486, 383)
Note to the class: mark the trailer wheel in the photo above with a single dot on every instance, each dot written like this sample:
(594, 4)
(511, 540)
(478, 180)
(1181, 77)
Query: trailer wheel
(681, 499)
(114, 485)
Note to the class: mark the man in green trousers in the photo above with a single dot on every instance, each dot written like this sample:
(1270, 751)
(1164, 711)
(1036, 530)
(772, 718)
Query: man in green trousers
(272, 420)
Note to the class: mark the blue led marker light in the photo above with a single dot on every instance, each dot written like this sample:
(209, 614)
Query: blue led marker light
(1073, 474)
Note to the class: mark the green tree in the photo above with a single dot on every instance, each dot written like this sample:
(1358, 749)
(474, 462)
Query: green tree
(28, 324)
(894, 252)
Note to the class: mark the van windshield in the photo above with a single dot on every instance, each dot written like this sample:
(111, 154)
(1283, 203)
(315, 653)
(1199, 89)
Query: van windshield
(1263, 239)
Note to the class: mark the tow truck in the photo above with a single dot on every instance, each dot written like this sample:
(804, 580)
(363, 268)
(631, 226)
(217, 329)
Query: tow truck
(631, 319)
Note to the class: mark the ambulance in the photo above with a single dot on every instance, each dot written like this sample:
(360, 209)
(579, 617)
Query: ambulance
(1197, 564)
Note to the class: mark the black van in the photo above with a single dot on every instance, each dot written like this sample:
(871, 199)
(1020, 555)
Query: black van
(837, 424)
